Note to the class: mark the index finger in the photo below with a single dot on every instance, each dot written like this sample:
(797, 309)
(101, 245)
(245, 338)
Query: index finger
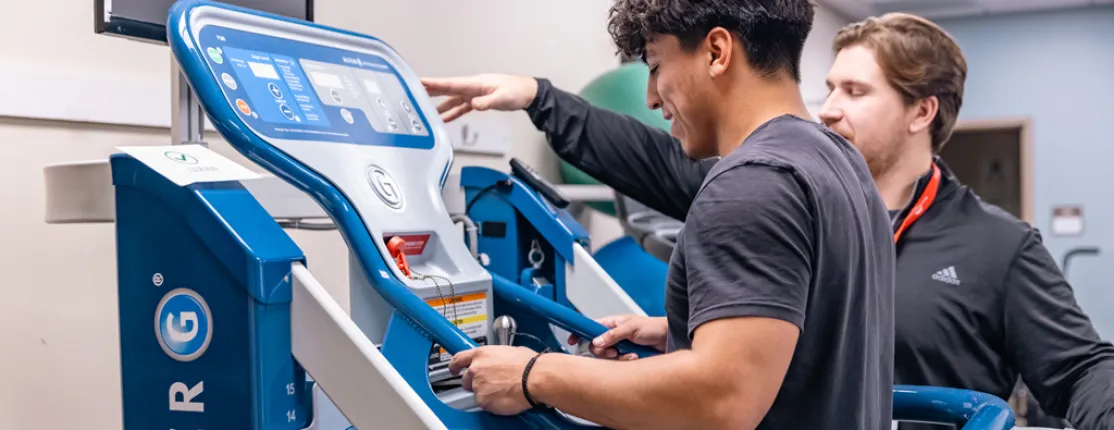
(452, 87)
(612, 321)
(461, 360)
(614, 336)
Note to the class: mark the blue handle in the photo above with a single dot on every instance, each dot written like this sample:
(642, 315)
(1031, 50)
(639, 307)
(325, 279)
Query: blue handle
(965, 409)
(562, 316)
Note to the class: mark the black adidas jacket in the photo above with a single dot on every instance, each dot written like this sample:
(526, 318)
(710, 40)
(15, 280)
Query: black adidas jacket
(978, 302)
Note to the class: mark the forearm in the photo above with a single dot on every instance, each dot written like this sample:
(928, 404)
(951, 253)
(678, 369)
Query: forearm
(669, 391)
(637, 160)
(1092, 398)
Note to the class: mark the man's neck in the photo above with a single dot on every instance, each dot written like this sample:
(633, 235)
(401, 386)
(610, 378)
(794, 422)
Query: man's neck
(898, 184)
(759, 101)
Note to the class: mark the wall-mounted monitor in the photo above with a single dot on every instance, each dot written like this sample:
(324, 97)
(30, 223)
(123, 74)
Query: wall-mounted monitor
(146, 19)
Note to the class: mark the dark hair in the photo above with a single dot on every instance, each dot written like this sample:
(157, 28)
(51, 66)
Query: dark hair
(772, 32)
(919, 59)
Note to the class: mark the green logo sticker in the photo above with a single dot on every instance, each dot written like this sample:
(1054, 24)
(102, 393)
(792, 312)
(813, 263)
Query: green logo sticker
(180, 157)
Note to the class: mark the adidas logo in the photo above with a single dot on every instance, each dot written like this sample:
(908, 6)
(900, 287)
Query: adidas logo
(947, 275)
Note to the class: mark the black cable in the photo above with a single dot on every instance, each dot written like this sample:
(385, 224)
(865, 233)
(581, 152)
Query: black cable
(506, 183)
(532, 337)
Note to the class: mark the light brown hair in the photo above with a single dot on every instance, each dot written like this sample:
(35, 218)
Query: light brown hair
(919, 60)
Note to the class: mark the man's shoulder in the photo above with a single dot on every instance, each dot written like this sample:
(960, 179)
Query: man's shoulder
(820, 161)
(766, 148)
(749, 181)
(1005, 220)
(773, 135)
(792, 144)
(995, 224)
(990, 237)
(748, 193)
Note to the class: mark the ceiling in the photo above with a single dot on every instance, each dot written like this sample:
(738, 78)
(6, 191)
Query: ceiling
(935, 9)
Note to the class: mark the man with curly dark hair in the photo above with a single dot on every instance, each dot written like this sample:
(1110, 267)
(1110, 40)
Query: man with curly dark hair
(780, 290)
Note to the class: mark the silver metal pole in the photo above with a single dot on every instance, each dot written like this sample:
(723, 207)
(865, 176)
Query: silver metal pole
(187, 124)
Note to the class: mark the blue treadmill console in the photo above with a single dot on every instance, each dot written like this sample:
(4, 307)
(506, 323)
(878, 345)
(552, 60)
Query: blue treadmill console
(342, 118)
(313, 92)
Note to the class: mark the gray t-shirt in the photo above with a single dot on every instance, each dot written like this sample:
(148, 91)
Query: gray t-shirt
(790, 226)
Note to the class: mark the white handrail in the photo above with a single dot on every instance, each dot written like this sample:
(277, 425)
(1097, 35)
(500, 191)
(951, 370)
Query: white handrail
(348, 367)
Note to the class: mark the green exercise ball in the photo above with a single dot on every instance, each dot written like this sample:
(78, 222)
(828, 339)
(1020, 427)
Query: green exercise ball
(622, 90)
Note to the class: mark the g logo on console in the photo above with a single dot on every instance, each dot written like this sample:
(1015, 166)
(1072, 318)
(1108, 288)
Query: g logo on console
(183, 324)
(385, 186)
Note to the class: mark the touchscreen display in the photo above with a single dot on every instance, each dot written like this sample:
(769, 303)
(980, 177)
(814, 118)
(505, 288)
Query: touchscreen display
(301, 91)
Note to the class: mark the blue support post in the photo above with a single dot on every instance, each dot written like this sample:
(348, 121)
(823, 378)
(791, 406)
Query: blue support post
(204, 303)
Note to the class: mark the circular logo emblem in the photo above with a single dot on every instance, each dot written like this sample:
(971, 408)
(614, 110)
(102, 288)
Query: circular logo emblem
(384, 186)
(183, 324)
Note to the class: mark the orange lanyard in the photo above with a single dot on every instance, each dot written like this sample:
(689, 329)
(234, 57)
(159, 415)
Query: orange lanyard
(923, 202)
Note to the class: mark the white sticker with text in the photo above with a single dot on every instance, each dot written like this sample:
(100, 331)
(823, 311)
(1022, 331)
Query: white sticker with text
(189, 164)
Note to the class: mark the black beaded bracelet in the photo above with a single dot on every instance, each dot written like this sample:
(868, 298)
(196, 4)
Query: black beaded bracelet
(525, 376)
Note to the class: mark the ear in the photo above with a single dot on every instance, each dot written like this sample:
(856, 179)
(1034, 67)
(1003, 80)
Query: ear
(924, 112)
(720, 44)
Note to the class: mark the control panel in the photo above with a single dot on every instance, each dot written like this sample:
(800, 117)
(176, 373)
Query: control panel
(292, 90)
(348, 109)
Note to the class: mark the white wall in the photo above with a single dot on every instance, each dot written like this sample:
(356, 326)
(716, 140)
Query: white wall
(58, 320)
(55, 66)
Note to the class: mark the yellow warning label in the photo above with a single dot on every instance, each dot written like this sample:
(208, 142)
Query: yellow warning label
(457, 299)
(468, 312)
